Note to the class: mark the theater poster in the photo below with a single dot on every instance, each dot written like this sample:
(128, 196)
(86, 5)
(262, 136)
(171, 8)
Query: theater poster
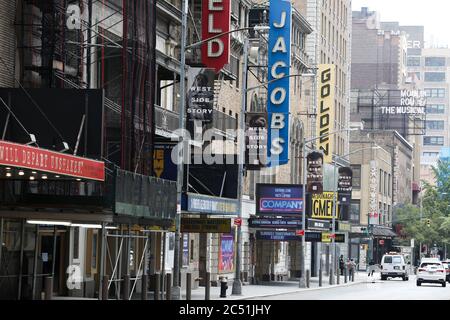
(226, 253)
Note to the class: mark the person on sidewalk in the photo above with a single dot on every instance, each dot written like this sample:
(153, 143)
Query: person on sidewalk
(341, 264)
(351, 265)
(372, 268)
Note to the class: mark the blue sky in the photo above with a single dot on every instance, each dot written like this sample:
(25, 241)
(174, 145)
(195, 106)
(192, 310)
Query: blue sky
(433, 14)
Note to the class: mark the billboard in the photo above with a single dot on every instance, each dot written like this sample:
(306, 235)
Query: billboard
(163, 166)
(279, 199)
(315, 173)
(61, 114)
(216, 19)
(322, 206)
(226, 253)
(326, 109)
(255, 140)
(279, 61)
(407, 102)
(200, 96)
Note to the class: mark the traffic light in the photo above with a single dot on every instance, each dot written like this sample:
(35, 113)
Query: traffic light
(428, 223)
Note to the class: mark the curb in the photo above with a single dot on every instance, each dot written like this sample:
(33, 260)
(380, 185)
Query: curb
(302, 290)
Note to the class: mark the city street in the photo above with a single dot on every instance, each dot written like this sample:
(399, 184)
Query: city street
(380, 290)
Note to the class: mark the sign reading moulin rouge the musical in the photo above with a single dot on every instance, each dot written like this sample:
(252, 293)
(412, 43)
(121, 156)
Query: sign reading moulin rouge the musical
(216, 16)
(23, 156)
(325, 116)
(280, 21)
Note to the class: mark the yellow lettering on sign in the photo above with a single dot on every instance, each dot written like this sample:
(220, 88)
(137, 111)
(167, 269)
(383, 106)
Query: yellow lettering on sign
(322, 206)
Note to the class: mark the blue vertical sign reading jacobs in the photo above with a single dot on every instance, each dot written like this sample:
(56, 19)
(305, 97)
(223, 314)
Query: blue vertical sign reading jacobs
(280, 21)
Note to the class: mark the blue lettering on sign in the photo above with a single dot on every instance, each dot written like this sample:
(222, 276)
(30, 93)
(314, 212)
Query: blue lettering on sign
(280, 22)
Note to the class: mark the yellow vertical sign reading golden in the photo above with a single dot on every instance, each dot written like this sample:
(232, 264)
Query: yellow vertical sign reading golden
(325, 109)
(322, 206)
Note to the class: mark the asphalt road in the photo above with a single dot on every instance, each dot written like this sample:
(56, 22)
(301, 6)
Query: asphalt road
(393, 289)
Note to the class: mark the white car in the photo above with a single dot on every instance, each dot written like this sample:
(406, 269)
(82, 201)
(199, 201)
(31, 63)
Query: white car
(393, 265)
(431, 271)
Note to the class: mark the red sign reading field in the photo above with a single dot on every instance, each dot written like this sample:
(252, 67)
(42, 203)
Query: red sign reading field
(23, 156)
(216, 17)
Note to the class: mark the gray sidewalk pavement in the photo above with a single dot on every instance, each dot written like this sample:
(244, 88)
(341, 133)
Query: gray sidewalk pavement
(277, 288)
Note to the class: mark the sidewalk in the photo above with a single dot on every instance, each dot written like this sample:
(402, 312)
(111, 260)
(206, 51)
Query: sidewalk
(276, 288)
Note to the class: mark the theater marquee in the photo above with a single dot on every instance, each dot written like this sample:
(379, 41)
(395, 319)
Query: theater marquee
(325, 112)
(33, 158)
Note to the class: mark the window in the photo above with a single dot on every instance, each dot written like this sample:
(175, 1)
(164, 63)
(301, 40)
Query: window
(356, 176)
(435, 61)
(387, 259)
(413, 62)
(435, 124)
(435, 93)
(434, 76)
(433, 141)
(397, 260)
(436, 109)
(431, 154)
(355, 209)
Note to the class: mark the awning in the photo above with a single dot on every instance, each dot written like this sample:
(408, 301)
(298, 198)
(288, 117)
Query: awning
(383, 232)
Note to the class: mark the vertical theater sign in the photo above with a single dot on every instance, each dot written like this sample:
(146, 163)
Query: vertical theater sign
(216, 16)
(280, 22)
(325, 110)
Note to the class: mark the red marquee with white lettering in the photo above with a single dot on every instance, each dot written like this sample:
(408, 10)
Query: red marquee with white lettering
(27, 157)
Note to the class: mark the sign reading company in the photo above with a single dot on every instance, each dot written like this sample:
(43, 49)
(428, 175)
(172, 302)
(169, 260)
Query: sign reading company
(216, 16)
(326, 113)
(280, 21)
(211, 205)
(411, 102)
(23, 156)
(279, 199)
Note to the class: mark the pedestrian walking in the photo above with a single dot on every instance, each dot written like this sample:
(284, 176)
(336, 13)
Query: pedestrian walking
(372, 268)
(341, 264)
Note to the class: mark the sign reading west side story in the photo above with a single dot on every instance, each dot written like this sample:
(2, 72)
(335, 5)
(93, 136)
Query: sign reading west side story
(216, 17)
(315, 173)
(279, 199)
(200, 97)
(345, 185)
(280, 22)
(255, 140)
(325, 110)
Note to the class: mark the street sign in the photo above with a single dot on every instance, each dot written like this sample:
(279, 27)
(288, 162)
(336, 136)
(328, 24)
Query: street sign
(201, 225)
(238, 222)
(300, 233)
(412, 243)
(381, 242)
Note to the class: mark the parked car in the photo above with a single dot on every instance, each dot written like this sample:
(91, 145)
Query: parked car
(393, 265)
(446, 264)
(431, 271)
